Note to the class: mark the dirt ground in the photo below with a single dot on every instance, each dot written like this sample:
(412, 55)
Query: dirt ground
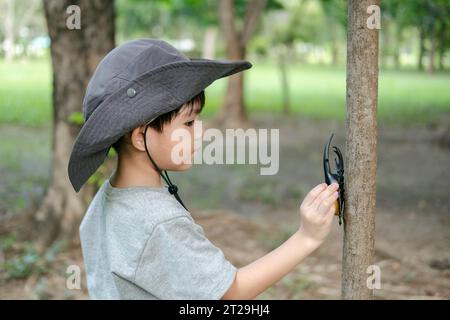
(247, 215)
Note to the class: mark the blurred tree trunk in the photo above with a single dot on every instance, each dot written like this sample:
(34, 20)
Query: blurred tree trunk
(334, 48)
(282, 58)
(75, 54)
(442, 44)
(385, 43)
(421, 47)
(209, 43)
(398, 45)
(15, 15)
(361, 151)
(432, 52)
(233, 113)
(9, 30)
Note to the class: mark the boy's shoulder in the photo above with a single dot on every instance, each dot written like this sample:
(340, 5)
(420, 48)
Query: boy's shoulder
(130, 213)
(122, 220)
(149, 205)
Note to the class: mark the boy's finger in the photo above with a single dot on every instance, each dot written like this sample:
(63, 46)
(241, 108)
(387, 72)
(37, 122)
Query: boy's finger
(328, 203)
(325, 194)
(331, 212)
(314, 193)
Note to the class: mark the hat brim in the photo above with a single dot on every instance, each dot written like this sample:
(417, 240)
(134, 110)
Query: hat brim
(158, 91)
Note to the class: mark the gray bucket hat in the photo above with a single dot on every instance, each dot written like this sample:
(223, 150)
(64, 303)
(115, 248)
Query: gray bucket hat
(134, 83)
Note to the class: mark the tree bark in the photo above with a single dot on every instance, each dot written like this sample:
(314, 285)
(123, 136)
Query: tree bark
(75, 54)
(233, 114)
(361, 153)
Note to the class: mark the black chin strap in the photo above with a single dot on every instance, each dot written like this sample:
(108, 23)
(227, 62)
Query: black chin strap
(173, 189)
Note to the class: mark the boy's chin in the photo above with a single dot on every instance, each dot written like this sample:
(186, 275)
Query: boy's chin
(181, 167)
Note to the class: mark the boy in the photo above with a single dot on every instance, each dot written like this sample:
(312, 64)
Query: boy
(138, 240)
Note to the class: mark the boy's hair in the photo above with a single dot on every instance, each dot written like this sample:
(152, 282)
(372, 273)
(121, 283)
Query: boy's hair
(196, 105)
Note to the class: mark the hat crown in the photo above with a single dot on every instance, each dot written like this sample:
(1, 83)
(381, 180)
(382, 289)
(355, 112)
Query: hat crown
(124, 64)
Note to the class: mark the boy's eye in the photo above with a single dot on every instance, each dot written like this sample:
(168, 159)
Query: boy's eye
(189, 123)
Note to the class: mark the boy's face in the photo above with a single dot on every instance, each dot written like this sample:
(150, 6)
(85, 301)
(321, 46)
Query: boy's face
(161, 144)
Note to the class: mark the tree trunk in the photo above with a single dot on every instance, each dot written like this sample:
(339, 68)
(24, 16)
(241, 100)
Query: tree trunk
(209, 43)
(15, 16)
(432, 52)
(75, 54)
(334, 40)
(442, 45)
(9, 30)
(421, 47)
(397, 59)
(361, 153)
(283, 57)
(385, 44)
(335, 53)
(233, 113)
(441, 59)
(398, 46)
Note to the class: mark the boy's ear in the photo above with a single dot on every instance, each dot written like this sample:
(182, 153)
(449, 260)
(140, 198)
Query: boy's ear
(137, 137)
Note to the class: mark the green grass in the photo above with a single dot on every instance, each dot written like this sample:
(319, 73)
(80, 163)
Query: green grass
(25, 92)
(315, 92)
(24, 166)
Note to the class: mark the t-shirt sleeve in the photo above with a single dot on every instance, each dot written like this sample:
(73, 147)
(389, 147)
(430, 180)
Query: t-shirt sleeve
(179, 262)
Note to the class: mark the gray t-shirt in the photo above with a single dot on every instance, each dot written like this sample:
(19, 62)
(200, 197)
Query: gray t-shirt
(140, 243)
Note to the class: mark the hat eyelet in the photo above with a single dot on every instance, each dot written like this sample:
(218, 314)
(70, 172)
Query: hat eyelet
(131, 92)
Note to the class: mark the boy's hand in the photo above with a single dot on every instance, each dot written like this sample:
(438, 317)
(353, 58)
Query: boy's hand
(317, 212)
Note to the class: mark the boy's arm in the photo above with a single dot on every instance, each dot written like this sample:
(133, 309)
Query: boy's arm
(317, 211)
(259, 275)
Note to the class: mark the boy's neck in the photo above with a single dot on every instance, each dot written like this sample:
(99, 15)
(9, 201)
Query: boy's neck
(134, 174)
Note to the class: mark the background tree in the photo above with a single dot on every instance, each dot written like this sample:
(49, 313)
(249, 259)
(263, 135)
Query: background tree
(198, 19)
(16, 18)
(294, 22)
(336, 17)
(431, 18)
(172, 20)
(75, 54)
(440, 36)
(232, 112)
(361, 151)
